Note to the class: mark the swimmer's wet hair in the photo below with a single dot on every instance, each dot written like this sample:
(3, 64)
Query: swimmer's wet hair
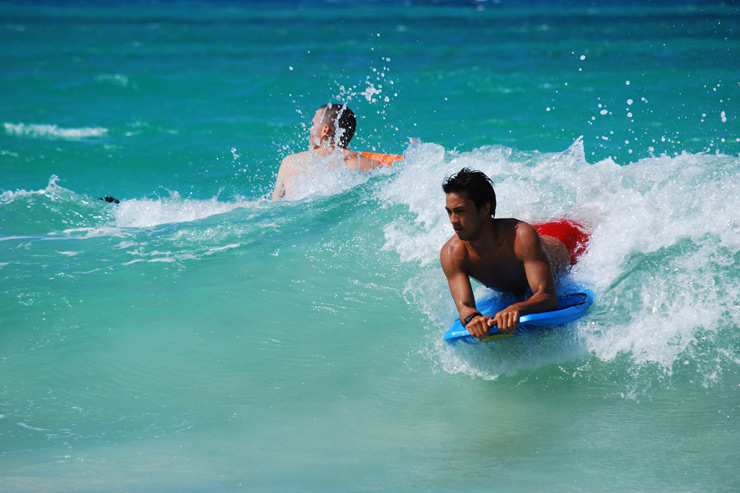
(478, 186)
(342, 121)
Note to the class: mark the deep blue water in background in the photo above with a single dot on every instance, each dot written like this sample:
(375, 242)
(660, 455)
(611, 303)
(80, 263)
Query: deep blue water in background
(199, 336)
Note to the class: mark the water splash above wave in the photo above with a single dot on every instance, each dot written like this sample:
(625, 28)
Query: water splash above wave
(662, 258)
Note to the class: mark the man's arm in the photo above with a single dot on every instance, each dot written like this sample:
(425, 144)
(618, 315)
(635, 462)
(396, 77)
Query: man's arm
(284, 182)
(355, 160)
(279, 191)
(365, 165)
(528, 248)
(451, 257)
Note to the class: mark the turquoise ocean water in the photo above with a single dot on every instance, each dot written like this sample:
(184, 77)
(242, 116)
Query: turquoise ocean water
(198, 336)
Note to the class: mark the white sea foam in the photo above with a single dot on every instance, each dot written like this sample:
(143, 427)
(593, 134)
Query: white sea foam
(145, 213)
(52, 131)
(115, 79)
(52, 189)
(665, 237)
(322, 177)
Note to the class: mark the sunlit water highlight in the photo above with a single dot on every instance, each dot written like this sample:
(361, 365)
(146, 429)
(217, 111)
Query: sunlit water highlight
(198, 336)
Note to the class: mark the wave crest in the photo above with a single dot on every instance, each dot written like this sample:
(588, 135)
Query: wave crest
(50, 131)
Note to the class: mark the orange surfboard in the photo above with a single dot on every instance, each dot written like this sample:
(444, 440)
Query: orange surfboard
(386, 159)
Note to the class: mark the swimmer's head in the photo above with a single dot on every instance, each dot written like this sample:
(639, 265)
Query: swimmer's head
(477, 185)
(336, 122)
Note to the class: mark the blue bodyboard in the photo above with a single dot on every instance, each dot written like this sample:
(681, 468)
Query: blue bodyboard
(570, 307)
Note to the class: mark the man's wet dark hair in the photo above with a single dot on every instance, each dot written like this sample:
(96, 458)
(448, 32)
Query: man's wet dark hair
(478, 186)
(340, 117)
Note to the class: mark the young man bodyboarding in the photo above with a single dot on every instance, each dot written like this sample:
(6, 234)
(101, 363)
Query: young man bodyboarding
(504, 254)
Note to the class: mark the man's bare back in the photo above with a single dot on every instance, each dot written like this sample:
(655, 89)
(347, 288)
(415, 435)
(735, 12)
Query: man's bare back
(332, 127)
(298, 167)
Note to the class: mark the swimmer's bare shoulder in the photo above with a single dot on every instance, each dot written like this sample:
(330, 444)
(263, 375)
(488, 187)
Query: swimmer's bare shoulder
(290, 167)
(355, 160)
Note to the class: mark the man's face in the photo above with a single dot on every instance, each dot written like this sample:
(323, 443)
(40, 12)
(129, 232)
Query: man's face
(317, 129)
(466, 219)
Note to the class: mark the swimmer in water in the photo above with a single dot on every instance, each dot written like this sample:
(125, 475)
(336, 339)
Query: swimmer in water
(333, 126)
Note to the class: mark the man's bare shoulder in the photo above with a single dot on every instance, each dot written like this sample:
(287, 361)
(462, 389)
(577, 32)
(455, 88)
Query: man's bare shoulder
(506, 225)
(365, 165)
(355, 160)
(524, 231)
(294, 164)
(290, 167)
(526, 239)
(295, 159)
(453, 252)
(513, 228)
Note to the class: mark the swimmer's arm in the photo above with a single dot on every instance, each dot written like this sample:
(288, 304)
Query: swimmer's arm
(365, 165)
(462, 291)
(528, 248)
(283, 184)
(279, 191)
